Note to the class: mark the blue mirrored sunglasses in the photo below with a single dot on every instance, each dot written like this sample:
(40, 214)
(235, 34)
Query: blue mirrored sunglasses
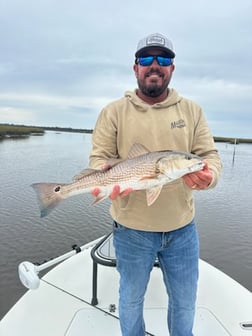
(148, 60)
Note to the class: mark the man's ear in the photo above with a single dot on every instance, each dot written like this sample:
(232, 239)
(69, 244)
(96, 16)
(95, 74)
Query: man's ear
(135, 68)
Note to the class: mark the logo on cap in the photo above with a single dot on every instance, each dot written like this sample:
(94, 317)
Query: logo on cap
(155, 40)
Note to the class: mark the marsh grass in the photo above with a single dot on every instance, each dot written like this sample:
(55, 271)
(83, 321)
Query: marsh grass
(9, 131)
(232, 140)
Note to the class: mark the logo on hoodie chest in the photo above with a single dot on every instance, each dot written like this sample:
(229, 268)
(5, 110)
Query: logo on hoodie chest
(178, 124)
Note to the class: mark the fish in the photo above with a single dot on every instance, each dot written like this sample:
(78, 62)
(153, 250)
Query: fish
(141, 170)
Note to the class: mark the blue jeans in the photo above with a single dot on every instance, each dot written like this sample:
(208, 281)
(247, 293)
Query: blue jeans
(178, 255)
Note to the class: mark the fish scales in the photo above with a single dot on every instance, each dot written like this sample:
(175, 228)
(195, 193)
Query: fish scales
(127, 170)
(116, 175)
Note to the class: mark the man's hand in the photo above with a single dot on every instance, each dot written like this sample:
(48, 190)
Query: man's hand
(115, 193)
(199, 180)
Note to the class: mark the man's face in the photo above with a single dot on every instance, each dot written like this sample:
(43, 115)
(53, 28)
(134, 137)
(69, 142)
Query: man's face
(154, 79)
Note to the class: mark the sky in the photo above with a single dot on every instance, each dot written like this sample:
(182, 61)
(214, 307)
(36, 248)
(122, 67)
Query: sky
(62, 61)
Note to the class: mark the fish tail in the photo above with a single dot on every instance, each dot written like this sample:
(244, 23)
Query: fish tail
(49, 195)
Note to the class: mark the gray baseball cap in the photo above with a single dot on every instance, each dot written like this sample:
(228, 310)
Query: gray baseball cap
(156, 40)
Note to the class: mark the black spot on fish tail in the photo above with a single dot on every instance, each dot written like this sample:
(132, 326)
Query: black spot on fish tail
(49, 196)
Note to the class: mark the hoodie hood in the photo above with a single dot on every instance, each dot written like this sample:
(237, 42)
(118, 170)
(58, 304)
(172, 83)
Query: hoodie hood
(172, 99)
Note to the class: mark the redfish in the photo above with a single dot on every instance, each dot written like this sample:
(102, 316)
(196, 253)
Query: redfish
(142, 170)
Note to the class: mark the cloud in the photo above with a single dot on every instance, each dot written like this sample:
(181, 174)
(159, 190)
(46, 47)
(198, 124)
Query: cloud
(62, 61)
(10, 114)
(46, 110)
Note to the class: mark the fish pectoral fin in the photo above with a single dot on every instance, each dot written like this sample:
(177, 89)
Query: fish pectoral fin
(148, 177)
(99, 198)
(152, 194)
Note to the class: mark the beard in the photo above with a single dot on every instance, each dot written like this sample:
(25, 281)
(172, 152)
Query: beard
(153, 89)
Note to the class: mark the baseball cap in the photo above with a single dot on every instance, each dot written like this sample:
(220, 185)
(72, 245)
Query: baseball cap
(155, 40)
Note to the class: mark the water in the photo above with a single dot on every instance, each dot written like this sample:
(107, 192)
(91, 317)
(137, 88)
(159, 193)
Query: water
(224, 215)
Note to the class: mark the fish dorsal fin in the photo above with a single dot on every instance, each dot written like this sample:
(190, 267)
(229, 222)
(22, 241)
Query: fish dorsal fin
(136, 150)
(84, 172)
(152, 194)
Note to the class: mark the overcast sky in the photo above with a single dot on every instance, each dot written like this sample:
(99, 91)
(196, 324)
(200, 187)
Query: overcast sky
(61, 61)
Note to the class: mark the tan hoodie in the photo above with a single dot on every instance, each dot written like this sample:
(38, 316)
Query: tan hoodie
(176, 124)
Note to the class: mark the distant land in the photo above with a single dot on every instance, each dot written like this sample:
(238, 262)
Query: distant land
(20, 131)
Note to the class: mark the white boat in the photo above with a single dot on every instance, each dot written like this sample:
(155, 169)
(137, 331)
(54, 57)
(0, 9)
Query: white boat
(79, 296)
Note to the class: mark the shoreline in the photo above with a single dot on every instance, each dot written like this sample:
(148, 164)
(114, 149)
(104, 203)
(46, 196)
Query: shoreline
(235, 141)
(10, 131)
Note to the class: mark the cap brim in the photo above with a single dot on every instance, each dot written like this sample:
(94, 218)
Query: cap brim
(169, 52)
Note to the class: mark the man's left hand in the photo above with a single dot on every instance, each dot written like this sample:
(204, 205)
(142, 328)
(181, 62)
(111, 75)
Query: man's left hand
(199, 180)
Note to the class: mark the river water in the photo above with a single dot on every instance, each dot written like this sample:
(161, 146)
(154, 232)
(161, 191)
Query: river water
(223, 215)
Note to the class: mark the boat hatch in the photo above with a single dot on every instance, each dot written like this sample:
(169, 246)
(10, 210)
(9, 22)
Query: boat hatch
(95, 322)
(206, 320)
(92, 321)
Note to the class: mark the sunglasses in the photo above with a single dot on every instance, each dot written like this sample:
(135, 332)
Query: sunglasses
(148, 60)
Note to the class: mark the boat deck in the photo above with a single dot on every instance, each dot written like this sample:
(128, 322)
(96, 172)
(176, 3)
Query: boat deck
(62, 304)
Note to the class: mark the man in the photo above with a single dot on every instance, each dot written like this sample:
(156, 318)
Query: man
(157, 117)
